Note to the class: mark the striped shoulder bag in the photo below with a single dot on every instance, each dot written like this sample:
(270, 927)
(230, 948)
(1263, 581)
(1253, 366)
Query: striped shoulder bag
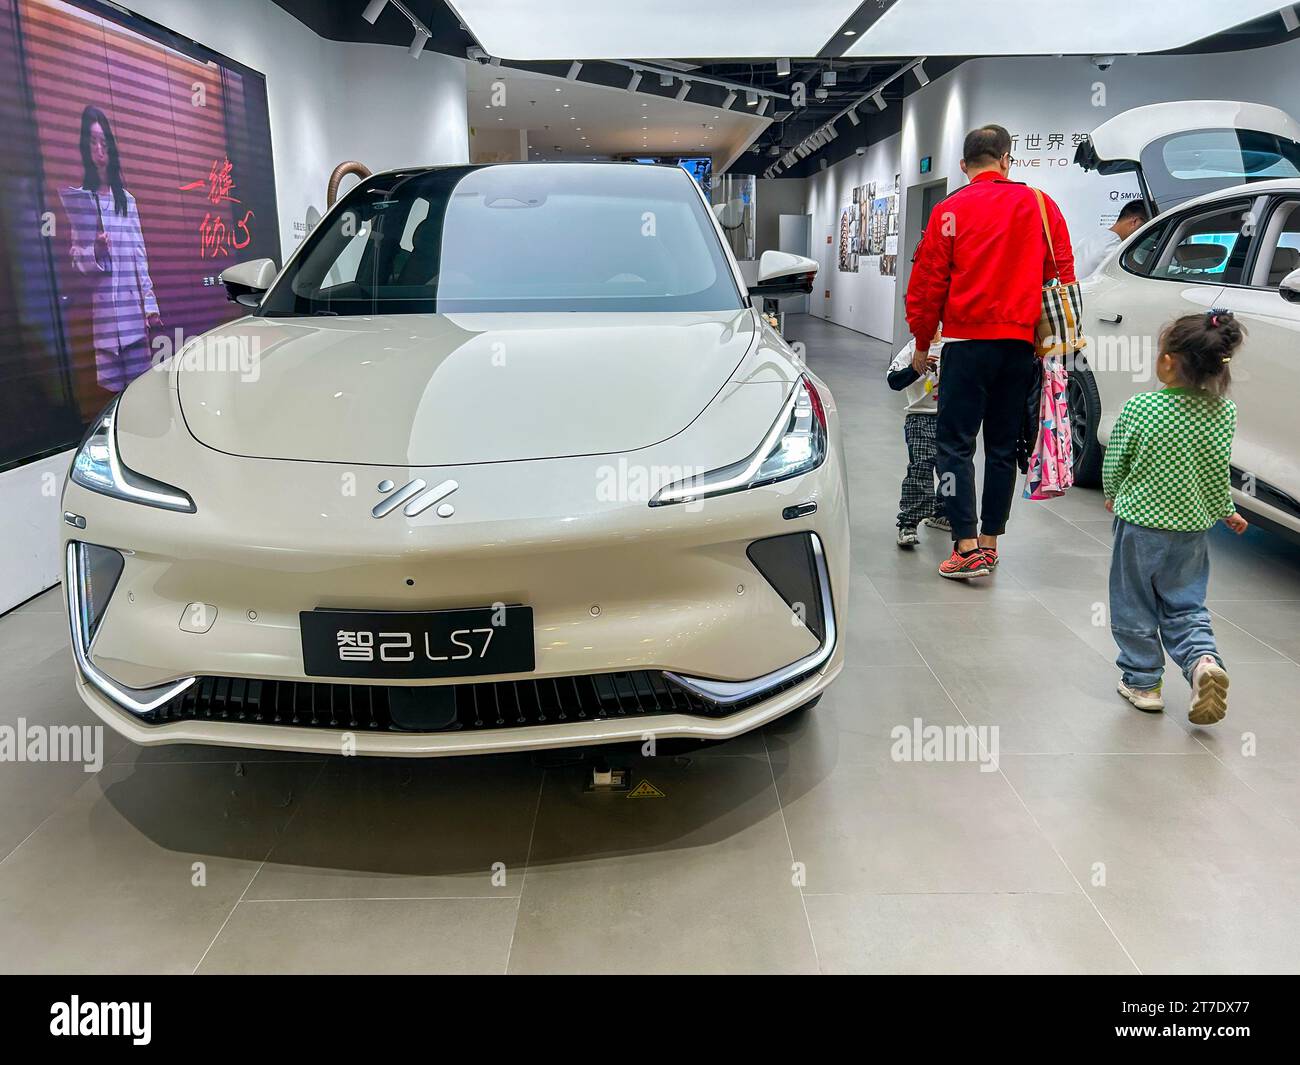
(1059, 330)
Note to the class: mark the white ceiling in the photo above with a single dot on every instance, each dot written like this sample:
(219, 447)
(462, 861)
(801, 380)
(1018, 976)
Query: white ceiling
(654, 29)
(1036, 27)
(612, 121)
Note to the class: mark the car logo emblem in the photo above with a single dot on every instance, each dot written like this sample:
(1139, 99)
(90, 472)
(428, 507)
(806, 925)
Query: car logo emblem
(415, 497)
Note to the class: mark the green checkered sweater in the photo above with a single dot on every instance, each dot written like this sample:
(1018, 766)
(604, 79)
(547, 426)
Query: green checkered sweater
(1167, 461)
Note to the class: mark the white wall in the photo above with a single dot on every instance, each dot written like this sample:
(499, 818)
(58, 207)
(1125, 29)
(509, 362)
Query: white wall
(328, 101)
(863, 300)
(774, 198)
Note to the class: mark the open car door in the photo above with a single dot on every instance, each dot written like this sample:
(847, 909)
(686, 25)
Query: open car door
(1189, 148)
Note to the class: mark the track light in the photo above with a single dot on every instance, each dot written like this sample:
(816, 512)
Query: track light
(635, 83)
(574, 67)
(861, 149)
(417, 43)
(879, 100)
(682, 92)
(922, 78)
(731, 99)
(829, 78)
(665, 80)
(1290, 19)
(751, 98)
(774, 150)
(853, 117)
(762, 108)
(373, 10)
(783, 68)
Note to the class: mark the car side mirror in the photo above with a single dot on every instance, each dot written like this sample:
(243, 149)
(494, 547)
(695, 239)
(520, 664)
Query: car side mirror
(1290, 287)
(246, 282)
(782, 274)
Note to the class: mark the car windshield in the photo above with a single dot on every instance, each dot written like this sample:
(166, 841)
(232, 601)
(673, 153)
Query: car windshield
(1184, 165)
(512, 237)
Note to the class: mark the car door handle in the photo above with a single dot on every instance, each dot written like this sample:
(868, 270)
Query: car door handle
(1114, 319)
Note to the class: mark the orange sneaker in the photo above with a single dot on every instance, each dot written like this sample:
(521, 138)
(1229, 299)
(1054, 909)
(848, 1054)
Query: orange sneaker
(991, 556)
(961, 567)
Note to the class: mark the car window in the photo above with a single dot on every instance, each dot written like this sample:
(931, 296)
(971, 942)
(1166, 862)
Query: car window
(512, 237)
(1185, 165)
(1140, 256)
(1279, 252)
(1208, 246)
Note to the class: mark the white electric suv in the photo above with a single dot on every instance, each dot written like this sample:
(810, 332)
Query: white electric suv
(509, 458)
(1222, 180)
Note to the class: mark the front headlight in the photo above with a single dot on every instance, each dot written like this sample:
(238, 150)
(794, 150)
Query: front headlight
(99, 468)
(794, 445)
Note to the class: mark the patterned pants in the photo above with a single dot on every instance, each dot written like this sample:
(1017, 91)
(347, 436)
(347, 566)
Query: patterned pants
(919, 500)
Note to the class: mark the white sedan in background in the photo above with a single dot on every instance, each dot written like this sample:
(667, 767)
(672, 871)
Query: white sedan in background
(1222, 180)
(513, 461)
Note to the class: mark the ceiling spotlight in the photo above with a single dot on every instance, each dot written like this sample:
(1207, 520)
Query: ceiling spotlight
(853, 116)
(751, 98)
(682, 92)
(831, 131)
(574, 67)
(1290, 19)
(829, 78)
(822, 163)
(879, 100)
(762, 108)
(922, 78)
(731, 99)
(776, 168)
(635, 82)
(783, 68)
(665, 80)
(417, 43)
(861, 149)
(373, 10)
(774, 150)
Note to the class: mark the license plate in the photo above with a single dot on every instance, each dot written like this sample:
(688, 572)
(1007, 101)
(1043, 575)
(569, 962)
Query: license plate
(404, 645)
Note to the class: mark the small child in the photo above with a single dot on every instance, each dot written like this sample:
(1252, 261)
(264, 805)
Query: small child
(920, 502)
(1166, 481)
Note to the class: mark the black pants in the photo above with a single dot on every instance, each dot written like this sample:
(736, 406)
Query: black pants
(982, 382)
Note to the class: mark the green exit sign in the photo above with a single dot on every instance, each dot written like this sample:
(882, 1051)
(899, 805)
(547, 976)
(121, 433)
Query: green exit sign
(925, 164)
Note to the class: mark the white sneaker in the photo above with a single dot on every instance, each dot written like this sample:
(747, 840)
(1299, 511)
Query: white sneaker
(1209, 692)
(907, 536)
(937, 522)
(1148, 700)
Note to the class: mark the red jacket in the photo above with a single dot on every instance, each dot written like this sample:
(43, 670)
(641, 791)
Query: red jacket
(983, 261)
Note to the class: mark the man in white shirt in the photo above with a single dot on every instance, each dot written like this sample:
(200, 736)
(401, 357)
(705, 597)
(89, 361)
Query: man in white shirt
(1091, 253)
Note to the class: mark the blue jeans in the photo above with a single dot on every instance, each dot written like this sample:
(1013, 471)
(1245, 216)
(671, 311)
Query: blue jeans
(1158, 579)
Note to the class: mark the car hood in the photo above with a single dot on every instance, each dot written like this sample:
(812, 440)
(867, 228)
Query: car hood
(446, 390)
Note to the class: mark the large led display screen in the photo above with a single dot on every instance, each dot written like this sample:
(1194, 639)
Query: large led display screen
(136, 166)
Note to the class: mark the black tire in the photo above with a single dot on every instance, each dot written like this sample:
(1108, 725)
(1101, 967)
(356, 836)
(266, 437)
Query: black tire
(1085, 419)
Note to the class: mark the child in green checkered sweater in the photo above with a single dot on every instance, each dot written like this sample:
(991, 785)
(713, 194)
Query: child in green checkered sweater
(1167, 483)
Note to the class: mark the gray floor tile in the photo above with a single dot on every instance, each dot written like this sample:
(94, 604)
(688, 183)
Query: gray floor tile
(970, 934)
(697, 881)
(457, 936)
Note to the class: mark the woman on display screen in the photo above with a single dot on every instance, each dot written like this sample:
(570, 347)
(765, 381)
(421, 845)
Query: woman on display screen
(108, 247)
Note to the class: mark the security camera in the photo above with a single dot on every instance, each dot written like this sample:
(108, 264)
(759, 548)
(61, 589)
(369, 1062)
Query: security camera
(1103, 62)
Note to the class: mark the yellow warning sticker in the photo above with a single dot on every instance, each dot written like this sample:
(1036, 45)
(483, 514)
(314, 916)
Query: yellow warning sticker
(645, 790)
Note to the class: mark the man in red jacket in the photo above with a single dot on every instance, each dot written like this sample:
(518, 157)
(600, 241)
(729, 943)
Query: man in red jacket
(979, 270)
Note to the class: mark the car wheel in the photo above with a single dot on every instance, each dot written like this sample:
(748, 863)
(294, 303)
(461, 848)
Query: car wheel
(1085, 418)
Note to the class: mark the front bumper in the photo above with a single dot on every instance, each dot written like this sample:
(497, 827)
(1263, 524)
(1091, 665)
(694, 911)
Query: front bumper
(622, 590)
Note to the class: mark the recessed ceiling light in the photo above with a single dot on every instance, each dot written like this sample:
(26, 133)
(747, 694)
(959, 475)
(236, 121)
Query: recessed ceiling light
(850, 33)
(559, 88)
(568, 105)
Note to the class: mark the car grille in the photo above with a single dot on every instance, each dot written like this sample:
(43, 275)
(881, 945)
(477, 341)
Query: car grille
(478, 706)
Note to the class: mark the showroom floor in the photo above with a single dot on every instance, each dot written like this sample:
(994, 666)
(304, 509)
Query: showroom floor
(1104, 841)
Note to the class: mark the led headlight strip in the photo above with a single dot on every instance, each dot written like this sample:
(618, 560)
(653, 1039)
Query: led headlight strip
(796, 444)
(99, 467)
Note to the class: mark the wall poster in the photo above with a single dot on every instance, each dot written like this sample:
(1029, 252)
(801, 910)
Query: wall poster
(138, 166)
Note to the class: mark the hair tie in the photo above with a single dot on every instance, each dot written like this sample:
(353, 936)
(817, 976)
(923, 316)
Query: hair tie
(1227, 359)
(1218, 316)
